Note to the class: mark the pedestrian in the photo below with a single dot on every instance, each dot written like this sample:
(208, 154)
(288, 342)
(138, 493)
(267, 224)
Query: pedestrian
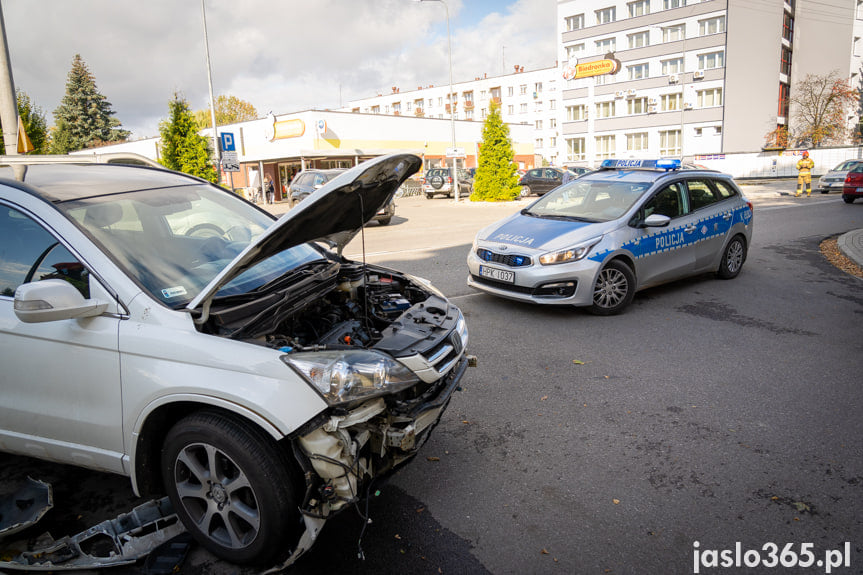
(567, 176)
(804, 174)
(271, 190)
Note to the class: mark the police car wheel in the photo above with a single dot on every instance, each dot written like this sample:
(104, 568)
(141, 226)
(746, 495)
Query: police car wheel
(614, 289)
(732, 259)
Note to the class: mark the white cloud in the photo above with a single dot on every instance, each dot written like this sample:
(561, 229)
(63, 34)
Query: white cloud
(280, 56)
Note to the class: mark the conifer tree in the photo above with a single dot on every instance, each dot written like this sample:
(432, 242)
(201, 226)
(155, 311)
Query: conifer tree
(84, 118)
(181, 148)
(496, 179)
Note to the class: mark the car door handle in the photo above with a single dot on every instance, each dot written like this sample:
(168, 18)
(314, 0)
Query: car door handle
(690, 228)
(726, 216)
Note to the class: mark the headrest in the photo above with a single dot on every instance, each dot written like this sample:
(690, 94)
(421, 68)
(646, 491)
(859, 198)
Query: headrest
(102, 215)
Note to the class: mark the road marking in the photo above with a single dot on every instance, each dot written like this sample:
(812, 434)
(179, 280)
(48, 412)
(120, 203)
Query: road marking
(359, 254)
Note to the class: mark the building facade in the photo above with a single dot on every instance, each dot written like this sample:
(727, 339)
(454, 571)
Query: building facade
(528, 98)
(693, 78)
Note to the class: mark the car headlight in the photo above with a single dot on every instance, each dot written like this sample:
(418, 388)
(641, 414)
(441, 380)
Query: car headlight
(572, 254)
(345, 376)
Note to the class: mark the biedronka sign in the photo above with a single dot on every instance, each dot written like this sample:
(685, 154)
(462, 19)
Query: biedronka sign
(574, 70)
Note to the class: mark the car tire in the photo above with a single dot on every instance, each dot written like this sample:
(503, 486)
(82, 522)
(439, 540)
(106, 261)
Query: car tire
(384, 221)
(524, 192)
(824, 191)
(256, 523)
(848, 199)
(614, 289)
(429, 196)
(732, 258)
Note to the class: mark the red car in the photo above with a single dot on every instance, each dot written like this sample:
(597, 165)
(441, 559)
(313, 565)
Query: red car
(853, 185)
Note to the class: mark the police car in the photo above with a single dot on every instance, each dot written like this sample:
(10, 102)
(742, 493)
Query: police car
(597, 240)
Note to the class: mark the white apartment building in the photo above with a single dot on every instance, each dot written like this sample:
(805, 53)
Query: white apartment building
(525, 97)
(695, 77)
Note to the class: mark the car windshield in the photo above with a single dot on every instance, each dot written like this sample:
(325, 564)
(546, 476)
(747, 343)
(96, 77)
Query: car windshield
(847, 165)
(589, 200)
(174, 241)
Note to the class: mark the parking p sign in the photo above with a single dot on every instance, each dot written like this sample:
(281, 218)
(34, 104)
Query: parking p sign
(228, 142)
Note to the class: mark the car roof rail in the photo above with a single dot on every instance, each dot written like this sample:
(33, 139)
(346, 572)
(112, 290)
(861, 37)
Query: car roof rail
(127, 158)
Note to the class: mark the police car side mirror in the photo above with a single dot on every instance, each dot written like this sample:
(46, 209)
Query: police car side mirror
(655, 221)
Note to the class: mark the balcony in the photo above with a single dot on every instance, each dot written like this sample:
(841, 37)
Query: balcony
(496, 100)
(419, 112)
(468, 105)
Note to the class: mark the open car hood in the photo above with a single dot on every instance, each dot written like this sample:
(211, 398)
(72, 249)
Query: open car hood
(333, 214)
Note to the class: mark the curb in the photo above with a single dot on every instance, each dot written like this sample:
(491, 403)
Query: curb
(851, 244)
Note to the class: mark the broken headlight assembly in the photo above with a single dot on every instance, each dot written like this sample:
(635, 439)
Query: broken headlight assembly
(346, 376)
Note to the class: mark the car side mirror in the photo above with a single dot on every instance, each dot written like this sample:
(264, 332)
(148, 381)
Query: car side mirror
(53, 300)
(655, 221)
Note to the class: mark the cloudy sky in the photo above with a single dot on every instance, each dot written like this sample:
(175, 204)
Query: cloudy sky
(280, 55)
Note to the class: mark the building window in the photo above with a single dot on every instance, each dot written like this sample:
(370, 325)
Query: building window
(786, 61)
(711, 26)
(788, 27)
(552, 123)
(575, 149)
(440, 101)
(538, 124)
(709, 98)
(669, 4)
(537, 106)
(784, 95)
(673, 33)
(537, 88)
(605, 109)
(483, 113)
(510, 91)
(522, 90)
(698, 131)
(483, 96)
(605, 147)
(636, 106)
(605, 46)
(510, 109)
(639, 8)
(376, 109)
(637, 72)
(606, 15)
(573, 51)
(468, 114)
(576, 113)
(638, 40)
(671, 102)
(718, 130)
(636, 142)
(397, 108)
(669, 143)
(408, 106)
(673, 66)
(522, 109)
(552, 104)
(574, 22)
(538, 143)
(712, 60)
(552, 142)
(430, 102)
(468, 97)
(603, 79)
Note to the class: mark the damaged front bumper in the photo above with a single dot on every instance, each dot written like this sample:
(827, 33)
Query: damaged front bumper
(343, 456)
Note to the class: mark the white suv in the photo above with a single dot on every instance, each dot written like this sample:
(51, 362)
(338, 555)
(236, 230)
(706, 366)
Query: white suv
(160, 327)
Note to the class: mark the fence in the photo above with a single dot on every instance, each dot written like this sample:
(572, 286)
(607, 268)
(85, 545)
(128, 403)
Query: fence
(778, 164)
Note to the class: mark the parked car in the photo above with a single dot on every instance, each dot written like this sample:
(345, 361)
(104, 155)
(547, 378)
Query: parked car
(439, 181)
(834, 180)
(579, 170)
(597, 240)
(307, 181)
(853, 185)
(540, 180)
(260, 380)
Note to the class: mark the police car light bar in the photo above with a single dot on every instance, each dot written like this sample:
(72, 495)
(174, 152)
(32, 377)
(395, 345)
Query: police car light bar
(666, 164)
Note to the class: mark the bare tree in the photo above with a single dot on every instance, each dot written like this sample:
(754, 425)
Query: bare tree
(820, 107)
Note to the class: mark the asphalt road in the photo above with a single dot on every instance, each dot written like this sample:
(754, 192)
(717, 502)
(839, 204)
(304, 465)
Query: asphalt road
(717, 412)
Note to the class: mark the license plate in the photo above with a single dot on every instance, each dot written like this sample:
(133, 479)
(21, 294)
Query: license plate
(496, 274)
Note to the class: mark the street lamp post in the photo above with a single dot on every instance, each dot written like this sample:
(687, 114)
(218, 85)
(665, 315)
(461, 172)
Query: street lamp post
(216, 148)
(451, 99)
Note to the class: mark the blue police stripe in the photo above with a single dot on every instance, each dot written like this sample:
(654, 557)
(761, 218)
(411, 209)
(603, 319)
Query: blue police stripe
(532, 232)
(675, 238)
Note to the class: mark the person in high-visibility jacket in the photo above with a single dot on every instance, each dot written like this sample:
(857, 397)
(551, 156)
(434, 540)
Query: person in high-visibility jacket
(804, 174)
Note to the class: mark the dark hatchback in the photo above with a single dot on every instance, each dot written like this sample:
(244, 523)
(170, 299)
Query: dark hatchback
(308, 181)
(540, 180)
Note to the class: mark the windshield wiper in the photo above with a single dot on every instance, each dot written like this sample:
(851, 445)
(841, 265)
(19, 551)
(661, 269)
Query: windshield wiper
(560, 217)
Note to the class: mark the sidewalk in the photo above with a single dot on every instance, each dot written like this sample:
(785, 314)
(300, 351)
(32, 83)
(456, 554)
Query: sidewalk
(851, 244)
